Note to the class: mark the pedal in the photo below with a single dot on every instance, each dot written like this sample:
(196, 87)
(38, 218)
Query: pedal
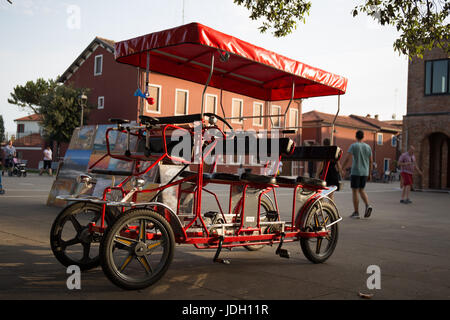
(283, 253)
(224, 261)
(216, 257)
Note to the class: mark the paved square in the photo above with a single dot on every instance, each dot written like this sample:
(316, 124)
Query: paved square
(410, 244)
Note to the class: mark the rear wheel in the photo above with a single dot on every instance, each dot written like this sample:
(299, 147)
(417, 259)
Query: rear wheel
(138, 249)
(319, 249)
(70, 239)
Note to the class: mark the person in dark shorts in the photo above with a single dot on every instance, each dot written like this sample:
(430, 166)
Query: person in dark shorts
(361, 155)
(334, 172)
(47, 161)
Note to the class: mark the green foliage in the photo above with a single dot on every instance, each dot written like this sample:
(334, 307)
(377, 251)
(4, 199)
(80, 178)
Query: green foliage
(57, 103)
(61, 112)
(281, 15)
(423, 24)
(29, 95)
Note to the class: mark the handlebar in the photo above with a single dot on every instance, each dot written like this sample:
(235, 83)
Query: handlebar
(181, 119)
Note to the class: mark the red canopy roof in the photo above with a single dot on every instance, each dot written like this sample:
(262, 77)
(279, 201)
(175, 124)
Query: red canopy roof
(185, 52)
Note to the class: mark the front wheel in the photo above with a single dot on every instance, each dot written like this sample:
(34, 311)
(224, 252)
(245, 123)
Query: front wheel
(138, 249)
(70, 239)
(319, 249)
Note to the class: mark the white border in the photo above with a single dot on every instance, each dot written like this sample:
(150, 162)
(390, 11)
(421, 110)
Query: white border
(98, 102)
(291, 117)
(187, 101)
(232, 111)
(379, 134)
(206, 101)
(272, 113)
(95, 65)
(255, 104)
(158, 101)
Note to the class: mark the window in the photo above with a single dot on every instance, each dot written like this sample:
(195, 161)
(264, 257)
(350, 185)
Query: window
(394, 141)
(211, 103)
(98, 65)
(380, 139)
(20, 128)
(181, 101)
(276, 121)
(155, 93)
(258, 111)
(436, 77)
(100, 102)
(237, 110)
(293, 118)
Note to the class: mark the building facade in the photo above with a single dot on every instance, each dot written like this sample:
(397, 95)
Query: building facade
(112, 86)
(427, 122)
(29, 142)
(381, 137)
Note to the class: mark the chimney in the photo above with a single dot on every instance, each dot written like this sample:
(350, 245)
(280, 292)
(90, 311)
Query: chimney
(376, 117)
(368, 115)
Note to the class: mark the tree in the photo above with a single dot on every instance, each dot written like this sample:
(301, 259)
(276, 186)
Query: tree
(57, 103)
(423, 24)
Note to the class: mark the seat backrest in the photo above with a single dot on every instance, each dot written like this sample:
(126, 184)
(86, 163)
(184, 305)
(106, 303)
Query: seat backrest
(314, 153)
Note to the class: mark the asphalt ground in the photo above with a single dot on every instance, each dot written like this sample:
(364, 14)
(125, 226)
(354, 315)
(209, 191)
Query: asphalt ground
(409, 243)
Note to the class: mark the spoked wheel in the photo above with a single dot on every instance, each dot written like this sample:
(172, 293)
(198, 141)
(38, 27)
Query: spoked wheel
(318, 250)
(266, 206)
(138, 249)
(70, 239)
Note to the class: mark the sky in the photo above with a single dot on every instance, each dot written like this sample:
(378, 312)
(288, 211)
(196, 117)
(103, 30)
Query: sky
(41, 38)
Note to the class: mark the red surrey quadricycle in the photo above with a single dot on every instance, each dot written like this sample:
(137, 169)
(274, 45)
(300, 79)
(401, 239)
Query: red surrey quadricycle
(134, 239)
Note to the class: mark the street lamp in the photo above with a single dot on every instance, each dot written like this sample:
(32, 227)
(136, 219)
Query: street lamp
(82, 101)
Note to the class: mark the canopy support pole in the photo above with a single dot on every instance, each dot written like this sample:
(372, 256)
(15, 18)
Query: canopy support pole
(147, 71)
(290, 101)
(334, 120)
(206, 85)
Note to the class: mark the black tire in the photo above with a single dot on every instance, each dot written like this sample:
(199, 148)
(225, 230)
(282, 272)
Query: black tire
(313, 221)
(19, 174)
(132, 262)
(267, 206)
(69, 241)
(24, 174)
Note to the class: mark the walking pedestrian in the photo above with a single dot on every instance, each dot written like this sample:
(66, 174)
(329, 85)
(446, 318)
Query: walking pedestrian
(10, 154)
(407, 163)
(360, 154)
(47, 161)
(2, 191)
(334, 172)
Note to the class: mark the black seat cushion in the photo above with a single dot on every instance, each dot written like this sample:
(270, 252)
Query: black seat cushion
(284, 180)
(256, 178)
(225, 176)
(186, 174)
(312, 181)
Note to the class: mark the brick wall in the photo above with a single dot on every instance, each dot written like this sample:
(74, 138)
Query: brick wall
(421, 130)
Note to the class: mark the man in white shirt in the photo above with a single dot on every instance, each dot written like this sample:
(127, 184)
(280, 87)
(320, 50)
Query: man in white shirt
(47, 161)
